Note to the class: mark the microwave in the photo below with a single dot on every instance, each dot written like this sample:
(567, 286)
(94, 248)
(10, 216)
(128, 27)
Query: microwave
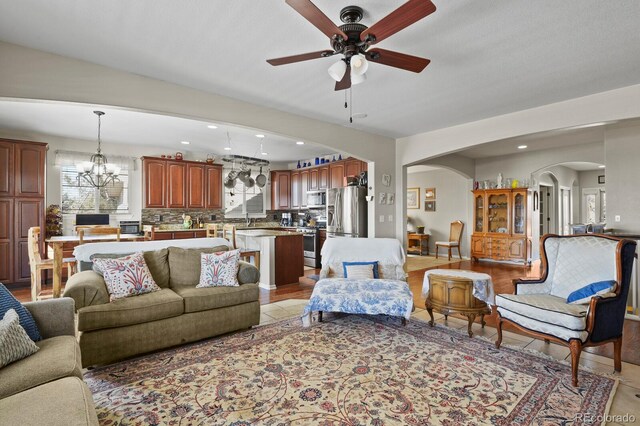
(316, 199)
(129, 227)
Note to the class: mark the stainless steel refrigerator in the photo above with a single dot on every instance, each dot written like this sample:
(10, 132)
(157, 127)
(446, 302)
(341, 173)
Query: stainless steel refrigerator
(347, 212)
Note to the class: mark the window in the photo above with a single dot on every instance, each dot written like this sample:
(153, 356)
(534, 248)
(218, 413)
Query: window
(240, 200)
(84, 198)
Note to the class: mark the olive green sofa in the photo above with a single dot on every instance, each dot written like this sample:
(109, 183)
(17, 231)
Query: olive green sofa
(46, 388)
(177, 314)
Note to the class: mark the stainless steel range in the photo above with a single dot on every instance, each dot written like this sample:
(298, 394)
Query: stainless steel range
(311, 246)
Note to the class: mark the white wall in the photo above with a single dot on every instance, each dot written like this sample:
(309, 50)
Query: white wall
(622, 151)
(453, 202)
(32, 74)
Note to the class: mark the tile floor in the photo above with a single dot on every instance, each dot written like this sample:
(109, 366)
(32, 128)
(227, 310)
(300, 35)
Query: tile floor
(625, 402)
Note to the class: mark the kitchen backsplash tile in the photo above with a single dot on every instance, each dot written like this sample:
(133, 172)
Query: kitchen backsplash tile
(174, 216)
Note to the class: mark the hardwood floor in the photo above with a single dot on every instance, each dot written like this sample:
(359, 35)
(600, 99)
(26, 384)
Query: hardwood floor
(502, 276)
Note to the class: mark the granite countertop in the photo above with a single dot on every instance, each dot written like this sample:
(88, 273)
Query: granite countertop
(265, 233)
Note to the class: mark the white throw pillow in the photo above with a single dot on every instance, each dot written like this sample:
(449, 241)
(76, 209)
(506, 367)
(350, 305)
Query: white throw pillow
(359, 272)
(219, 269)
(15, 343)
(126, 276)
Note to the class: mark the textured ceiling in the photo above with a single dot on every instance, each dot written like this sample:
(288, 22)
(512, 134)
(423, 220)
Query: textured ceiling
(136, 128)
(488, 57)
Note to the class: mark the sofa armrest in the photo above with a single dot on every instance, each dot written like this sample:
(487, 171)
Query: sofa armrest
(86, 288)
(54, 317)
(248, 273)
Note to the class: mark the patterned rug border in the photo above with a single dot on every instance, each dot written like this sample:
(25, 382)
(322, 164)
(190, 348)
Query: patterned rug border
(237, 340)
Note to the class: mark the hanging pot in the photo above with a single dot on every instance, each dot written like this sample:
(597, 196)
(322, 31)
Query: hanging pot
(261, 180)
(244, 175)
(229, 182)
(250, 183)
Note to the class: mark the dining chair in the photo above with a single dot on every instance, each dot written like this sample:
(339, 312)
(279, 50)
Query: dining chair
(229, 233)
(455, 236)
(97, 230)
(37, 264)
(212, 230)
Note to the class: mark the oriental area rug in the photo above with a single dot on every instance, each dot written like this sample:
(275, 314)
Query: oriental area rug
(348, 370)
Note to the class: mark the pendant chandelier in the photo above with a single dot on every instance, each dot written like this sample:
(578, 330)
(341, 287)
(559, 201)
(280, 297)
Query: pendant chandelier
(98, 172)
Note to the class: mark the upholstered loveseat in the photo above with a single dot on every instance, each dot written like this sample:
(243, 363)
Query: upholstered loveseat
(177, 314)
(46, 388)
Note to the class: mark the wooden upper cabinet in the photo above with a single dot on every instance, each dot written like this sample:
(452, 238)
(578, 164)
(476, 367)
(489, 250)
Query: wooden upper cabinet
(296, 190)
(196, 186)
(214, 187)
(336, 175)
(155, 183)
(29, 169)
(6, 168)
(314, 179)
(280, 190)
(304, 186)
(323, 177)
(353, 167)
(176, 184)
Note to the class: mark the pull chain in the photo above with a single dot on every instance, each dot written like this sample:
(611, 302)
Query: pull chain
(345, 99)
(350, 106)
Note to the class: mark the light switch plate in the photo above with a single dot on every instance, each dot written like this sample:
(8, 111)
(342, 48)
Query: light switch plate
(390, 218)
(381, 218)
(617, 218)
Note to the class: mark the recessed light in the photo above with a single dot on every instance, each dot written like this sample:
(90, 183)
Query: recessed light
(260, 136)
(299, 143)
(212, 126)
(185, 142)
(522, 146)
(265, 153)
(601, 167)
(227, 148)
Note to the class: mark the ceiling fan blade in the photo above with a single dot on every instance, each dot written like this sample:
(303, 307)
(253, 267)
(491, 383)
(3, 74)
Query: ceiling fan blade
(314, 15)
(302, 57)
(345, 83)
(407, 14)
(397, 60)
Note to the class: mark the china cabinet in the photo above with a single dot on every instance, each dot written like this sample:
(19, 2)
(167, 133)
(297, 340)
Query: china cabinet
(501, 225)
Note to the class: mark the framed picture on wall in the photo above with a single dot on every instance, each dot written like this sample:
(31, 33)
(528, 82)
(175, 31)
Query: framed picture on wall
(413, 198)
(429, 206)
(601, 179)
(430, 194)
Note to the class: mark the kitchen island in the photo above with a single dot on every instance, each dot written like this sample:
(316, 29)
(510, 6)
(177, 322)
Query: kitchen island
(281, 254)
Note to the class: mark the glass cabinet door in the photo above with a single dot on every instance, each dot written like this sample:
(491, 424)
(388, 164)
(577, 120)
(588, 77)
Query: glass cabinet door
(519, 213)
(479, 213)
(498, 213)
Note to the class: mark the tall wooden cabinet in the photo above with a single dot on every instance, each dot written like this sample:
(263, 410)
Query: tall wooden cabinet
(280, 190)
(501, 225)
(181, 184)
(22, 193)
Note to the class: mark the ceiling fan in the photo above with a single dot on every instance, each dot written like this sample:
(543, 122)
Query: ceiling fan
(353, 40)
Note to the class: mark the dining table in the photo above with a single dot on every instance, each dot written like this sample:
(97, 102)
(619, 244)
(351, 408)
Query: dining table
(58, 241)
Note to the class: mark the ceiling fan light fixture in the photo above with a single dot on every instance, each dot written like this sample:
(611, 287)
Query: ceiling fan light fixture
(337, 70)
(359, 65)
(357, 78)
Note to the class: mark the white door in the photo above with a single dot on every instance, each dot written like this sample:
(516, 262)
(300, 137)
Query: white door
(594, 205)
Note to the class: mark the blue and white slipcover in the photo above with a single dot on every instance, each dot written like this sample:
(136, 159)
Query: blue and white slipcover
(371, 296)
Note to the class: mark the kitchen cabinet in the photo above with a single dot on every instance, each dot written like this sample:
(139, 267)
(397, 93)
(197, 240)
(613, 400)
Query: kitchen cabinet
(280, 190)
(181, 184)
(352, 167)
(213, 187)
(323, 177)
(501, 225)
(304, 185)
(296, 190)
(22, 187)
(314, 182)
(196, 185)
(6, 168)
(176, 184)
(336, 175)
(155, 183)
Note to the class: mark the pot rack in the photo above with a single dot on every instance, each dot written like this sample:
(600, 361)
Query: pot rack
(244, 160)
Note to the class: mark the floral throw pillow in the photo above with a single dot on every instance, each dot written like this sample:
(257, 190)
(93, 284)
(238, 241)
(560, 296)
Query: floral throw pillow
(126, 276)
(219, 269)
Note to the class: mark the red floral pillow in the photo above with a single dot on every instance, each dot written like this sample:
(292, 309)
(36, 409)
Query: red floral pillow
(126, 276)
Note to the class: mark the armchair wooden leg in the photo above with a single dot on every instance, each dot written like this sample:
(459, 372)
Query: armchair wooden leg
(499, 327)
(319, 316)
(576, 348)
(617, 355)
(437, 251)
(449, 253)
